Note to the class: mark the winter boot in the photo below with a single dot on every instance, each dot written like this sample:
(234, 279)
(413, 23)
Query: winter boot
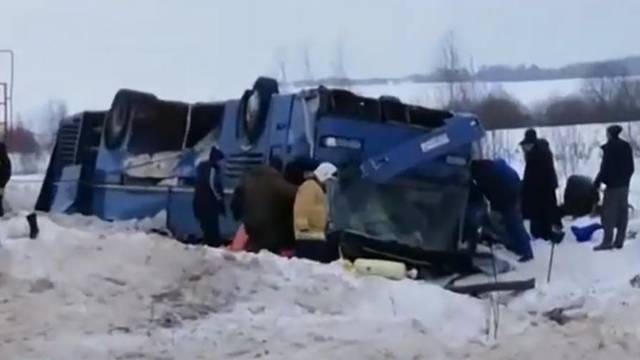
(34, 231)
(557, 236)
(603, 247)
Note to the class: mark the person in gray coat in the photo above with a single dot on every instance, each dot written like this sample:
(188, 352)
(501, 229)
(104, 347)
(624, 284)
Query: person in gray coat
(616, 171)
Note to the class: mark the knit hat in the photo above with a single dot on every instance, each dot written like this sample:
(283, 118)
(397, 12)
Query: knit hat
(325, 171)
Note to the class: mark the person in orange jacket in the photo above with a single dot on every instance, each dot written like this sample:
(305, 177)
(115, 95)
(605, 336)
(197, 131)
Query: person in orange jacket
(310, 216)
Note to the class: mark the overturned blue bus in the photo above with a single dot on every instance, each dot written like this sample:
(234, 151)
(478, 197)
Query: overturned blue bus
(138, 158)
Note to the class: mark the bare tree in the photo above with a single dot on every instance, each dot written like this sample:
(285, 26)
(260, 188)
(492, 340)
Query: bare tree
(501, 111)
(460, 84)
(450, 64)
(50, 117)
(614, 97)
(280, 59)
(306, 63)
(611, 92)
(338, 64)
(569, 150)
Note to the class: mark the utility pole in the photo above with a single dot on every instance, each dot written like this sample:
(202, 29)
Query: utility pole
(7, 93)
(4, 105)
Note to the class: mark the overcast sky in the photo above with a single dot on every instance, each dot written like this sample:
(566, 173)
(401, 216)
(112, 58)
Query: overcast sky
(82, 51)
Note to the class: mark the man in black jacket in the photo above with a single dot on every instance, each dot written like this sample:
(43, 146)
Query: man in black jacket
(208, 199)
(615, 172)
(539, 184)
(5, 173)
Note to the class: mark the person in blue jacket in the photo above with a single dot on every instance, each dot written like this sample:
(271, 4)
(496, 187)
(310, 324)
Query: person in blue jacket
(501, 185)
(208, 200)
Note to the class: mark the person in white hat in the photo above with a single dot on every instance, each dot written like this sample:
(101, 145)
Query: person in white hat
(310, 215)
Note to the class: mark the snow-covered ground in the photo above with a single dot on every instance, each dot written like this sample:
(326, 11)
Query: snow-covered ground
(87, 289)
(22, 192)
(22, 164)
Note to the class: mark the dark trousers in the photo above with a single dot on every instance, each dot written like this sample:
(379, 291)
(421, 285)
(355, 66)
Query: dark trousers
(211, 231)
(544, 216)
(475, 218)
(324, 251)
(209, 221)
(615, 215)
(519, 240)
(542, 227)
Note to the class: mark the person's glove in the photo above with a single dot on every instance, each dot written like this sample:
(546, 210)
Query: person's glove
(596, 186)
(557, 236)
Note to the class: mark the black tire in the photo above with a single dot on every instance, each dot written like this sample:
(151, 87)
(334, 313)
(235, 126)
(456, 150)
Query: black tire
(118, 118)
(253, 122)
(580, 196)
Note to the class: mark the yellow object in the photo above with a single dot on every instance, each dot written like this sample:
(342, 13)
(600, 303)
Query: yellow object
(388, 269)
(310, 212)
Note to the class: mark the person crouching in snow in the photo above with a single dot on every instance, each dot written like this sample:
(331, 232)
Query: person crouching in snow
(615, 172)
(500, 184)
(5, 173)
(310, 212)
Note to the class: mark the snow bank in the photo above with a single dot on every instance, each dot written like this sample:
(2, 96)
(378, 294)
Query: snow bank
(92, 289)
(22, 192)
(122, 277)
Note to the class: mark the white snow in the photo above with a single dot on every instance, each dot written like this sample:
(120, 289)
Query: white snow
(91, 289)
(22, 192)
(22, 164)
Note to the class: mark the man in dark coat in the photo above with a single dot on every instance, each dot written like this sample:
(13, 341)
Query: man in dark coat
(539, 184)
(263, 201)
(5, 173)
(500, 184)
(616, 170)
(208, 199)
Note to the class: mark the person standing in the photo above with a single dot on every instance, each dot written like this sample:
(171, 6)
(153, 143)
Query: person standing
(500, 184)
(539, 184)
(616, 171)
(5, 173)
(208, 200)
(310, 212)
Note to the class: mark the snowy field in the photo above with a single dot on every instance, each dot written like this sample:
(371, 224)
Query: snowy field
(87, 289)
(22, 164)
(530, 93)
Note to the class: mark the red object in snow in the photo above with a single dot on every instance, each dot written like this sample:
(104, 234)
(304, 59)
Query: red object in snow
(288, 253)
(240, 240)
